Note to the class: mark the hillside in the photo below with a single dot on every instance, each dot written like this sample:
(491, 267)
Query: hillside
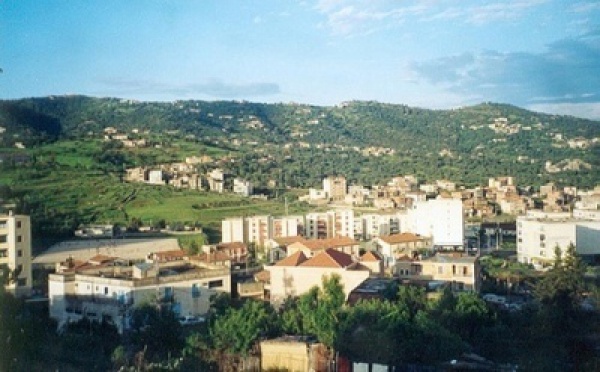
(61, 139)
(367, 141)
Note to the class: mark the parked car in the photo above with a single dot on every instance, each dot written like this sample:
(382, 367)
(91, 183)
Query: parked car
(190, 320)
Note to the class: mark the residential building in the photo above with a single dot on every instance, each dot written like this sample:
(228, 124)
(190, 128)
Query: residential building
(233, 230)
(287, 226)
(237, 252)
(106, 289)
(311, 247)
(297, 274)
(379, 224)
(463, 272)
(155, 177)
(259, 229)
(242, 187)
(335, 187)
(15, 252)
(501, 183)
(441, 218)
(218, 180)
(318, 226)
(395, 246)
(538, 235)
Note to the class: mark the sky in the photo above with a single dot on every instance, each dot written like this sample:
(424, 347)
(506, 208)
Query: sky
(543, 55)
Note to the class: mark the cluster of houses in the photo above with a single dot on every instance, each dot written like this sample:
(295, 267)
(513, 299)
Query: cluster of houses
(501, 195)
(186, 176)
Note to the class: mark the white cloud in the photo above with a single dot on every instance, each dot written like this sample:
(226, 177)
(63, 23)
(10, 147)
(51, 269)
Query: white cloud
(582, 110)
(349, 17)
(585, 7)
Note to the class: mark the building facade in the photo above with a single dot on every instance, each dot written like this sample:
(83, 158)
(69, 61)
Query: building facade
(15, 252)
(106, 290)
(538, 235)
(441, 218)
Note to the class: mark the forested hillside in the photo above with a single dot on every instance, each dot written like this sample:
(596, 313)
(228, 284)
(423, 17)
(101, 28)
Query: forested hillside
(366, 141)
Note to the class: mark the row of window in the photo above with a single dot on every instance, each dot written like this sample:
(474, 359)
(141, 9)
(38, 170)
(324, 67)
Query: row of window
(4, 238)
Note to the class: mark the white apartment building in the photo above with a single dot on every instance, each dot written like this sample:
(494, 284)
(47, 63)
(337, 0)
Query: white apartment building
(329, 224)
(335, 187)
(259, 229)
(285, 226)
(538, 236)
(155, 177)
(441, 218)
(233, 230)
(15, 251)
(374, 225)
(102, 289)
(242, 187)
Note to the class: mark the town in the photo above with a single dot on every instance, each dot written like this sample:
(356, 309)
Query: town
(434, 237)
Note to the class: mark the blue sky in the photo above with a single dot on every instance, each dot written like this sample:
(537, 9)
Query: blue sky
(538, 54)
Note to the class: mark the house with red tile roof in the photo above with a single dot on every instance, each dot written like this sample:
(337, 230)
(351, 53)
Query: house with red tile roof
(236, 251)
(373, 260)
(299, 272)
(312, 247)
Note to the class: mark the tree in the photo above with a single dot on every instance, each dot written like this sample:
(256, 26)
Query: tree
(157, 330)
(234, 334)
(563, 285)
(321, 309)
(411, 300)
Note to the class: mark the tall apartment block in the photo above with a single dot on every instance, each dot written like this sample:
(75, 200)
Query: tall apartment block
(15, 252)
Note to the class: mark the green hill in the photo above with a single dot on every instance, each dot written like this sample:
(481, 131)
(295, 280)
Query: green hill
(49, 146)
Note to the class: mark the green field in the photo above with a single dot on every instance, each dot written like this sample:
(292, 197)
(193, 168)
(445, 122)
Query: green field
(66, 186)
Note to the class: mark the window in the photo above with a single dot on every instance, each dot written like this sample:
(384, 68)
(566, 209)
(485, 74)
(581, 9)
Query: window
(18, 224)
(465, 271)
(19, 239)
(106, 290)
(20, 253)
(215, 283)
(3, 253)
(195, 290)
(3, 238)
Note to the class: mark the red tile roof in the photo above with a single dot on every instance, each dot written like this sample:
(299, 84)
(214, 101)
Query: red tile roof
(170, 255)
(371, 256)
(294, 260)
(287, 240)
(322, 244)
(212, 257)
(232, 245)
(329, 258)
(100, 259)
(401, 238)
